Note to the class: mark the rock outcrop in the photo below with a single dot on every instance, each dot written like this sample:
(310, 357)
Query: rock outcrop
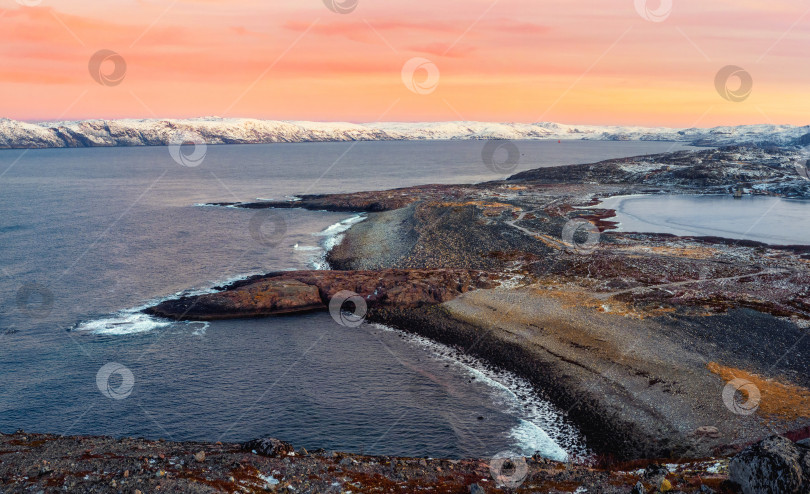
(773, 466)
(301, 291)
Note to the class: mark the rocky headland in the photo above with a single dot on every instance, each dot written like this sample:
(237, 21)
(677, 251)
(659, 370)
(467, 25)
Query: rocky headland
(635, 335)
(683, 349)
(300, 291)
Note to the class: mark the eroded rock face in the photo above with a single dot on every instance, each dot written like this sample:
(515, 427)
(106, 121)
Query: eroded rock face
(300, 291)
(770, 466)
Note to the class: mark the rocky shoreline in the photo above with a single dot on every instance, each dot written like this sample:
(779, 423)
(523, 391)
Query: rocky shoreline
(49, 463)
(687, 349)
(636, 336)
(628, 334)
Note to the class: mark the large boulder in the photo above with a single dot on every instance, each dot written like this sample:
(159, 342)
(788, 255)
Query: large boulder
(268, 446)
(773, 465)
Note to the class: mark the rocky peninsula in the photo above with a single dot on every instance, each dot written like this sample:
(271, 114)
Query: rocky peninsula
(682, 349)
(635, 335)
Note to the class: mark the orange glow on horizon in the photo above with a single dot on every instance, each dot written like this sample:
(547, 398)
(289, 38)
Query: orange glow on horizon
(513, 60)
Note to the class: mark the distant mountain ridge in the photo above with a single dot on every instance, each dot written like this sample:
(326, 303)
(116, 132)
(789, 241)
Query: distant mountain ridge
(215, 130)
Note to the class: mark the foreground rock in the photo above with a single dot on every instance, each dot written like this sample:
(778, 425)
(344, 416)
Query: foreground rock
(49, 463)
(300, 291)
(773, 466)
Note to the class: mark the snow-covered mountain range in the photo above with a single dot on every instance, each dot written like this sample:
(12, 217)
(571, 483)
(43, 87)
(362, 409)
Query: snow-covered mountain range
(215, 130)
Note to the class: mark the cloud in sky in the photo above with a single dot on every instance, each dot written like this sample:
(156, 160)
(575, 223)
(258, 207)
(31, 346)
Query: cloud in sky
(510, 60)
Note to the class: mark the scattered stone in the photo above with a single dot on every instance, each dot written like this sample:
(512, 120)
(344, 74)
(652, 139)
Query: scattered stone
(303, 452)
(639, 489)
(200, 456)
(769, 467)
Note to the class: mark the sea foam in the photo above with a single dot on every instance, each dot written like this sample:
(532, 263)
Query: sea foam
(134, 321)
(332, 236)
(541, 426)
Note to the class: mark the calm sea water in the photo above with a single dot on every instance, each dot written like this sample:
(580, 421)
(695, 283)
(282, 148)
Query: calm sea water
(770, 220)
(89, 235)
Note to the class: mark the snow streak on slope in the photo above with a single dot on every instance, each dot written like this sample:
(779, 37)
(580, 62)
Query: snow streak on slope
(215, 130)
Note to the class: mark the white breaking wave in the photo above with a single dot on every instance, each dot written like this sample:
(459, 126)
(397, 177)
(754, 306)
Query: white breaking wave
(122, 323)
(334, 233)
(332, 236)
(541, 426)
(134, 321)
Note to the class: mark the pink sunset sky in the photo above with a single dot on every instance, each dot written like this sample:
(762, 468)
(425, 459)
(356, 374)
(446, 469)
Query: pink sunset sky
(569, 61)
